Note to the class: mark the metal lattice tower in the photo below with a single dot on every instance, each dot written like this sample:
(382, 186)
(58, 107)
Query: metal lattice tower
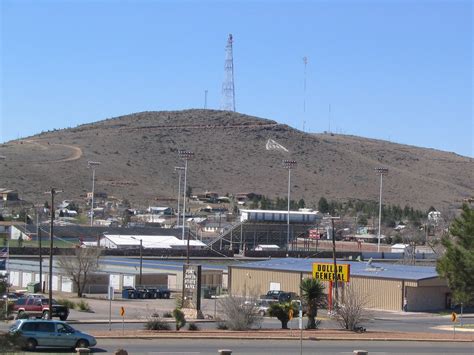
(228, 89)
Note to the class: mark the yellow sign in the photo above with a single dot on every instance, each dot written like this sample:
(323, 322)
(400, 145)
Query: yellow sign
(454, 317)
(325, 272)
(290, 314)
(122, 311)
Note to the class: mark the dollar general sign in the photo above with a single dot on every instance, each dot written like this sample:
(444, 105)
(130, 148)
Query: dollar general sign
(325, 272)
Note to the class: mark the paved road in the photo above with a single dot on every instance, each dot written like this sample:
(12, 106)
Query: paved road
(247, 347)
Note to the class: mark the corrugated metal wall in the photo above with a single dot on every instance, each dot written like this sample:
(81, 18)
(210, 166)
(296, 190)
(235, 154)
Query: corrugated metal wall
(426, 298)
(379, 293)
(253, 283)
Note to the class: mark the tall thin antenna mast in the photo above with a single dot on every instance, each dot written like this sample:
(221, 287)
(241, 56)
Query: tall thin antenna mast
(329, 117)
(205, 99)
(305, 61)
(228, 89)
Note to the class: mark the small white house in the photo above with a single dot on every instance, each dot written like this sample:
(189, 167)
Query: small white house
(401, 248)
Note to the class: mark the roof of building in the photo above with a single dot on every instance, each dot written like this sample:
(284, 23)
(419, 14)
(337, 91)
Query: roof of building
(379, 270)
(278, 212)
(152, 241)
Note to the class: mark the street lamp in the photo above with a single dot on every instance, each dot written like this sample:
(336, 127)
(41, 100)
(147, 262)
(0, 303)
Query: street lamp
(92, 165)
(185, 155)
(141, 260)
(53, 192)
(382, 172)
(179, 169)
(288, 164)
(334, 259)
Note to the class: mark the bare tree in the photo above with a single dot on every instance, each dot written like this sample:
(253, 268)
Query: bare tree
(352, 311)
(240, 313)
(78, 267)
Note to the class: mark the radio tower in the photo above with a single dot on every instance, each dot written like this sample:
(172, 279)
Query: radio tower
(305, 61)
(228, 89)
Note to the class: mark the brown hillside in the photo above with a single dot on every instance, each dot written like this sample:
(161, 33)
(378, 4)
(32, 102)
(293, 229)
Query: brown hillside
(139, 152)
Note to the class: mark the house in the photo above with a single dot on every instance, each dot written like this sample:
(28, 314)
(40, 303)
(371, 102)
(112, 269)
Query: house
(8, 195)
(163, 211)
(401, 248)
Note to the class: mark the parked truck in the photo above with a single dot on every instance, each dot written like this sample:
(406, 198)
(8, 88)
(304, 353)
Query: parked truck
(38, 306)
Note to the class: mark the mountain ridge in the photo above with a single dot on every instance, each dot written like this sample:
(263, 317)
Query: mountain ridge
(138, 153)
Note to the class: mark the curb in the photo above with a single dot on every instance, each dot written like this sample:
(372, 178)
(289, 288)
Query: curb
(284, 338)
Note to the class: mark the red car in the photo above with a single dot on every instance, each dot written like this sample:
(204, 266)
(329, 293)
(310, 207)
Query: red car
(38, 306)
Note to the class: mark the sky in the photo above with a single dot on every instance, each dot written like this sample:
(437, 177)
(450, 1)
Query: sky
(396, 70)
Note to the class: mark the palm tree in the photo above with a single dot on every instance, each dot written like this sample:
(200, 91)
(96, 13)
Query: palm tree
(313, 296)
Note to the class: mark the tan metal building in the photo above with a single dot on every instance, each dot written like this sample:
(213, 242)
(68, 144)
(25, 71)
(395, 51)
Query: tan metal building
(384, 286)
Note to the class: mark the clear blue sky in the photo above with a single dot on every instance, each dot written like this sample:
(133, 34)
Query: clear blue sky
(395, 70)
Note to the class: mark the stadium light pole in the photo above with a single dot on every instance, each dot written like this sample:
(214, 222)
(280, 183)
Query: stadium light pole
(185, 155)
(179, 169)
(381, 172)
(53, 192)
(92, 165)
(289, 164)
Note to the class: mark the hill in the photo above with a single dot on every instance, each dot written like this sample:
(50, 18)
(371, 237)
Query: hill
(138, 153)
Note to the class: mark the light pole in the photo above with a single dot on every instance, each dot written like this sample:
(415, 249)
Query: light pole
(334, 260)
(179, 169)
(92, 165)
(381, 172)
(141, 261)
(289, 164)
(185, 155)
(53, 192)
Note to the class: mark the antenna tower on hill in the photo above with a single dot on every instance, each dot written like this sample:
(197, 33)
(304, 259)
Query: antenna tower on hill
(228, 89)
(305, 61)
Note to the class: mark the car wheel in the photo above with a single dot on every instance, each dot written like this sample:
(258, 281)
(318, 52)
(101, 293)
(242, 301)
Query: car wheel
(63, 318)
(46, 315)
(31, 344)
(82, 343)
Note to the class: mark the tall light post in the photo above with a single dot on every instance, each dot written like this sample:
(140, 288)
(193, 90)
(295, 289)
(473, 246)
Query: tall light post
(185, 155)
(92, 165)
(141, 260)
(179, 169)
(289, 164)
(334, 259)
(53, 192)
(381, 172)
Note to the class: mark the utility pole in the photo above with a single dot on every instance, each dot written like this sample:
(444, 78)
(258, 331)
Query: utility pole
(92, 164)
(382, 172)
(38, 235)
(185, 155)
(334, 259)
(53, 192)
(288, 164)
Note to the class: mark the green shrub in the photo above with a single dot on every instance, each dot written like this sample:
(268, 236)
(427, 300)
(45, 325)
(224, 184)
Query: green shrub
(179, 317)
(83, 306)
(67, 303)
(193, 326)
(156, 323)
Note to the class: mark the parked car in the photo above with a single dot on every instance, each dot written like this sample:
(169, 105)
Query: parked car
(263, 306)
(281, 296)
(38, 306)
(50, 333)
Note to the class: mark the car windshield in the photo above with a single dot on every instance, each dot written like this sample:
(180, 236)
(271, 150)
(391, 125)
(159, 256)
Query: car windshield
(46, 301)
(15, 326)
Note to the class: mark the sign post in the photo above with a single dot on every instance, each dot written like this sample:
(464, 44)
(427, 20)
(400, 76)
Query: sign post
(454, 318)
(122, 313)
(111, 296)
(333, 274)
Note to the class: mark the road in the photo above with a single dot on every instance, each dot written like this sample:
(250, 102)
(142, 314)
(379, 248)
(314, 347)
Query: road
(247, 347)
